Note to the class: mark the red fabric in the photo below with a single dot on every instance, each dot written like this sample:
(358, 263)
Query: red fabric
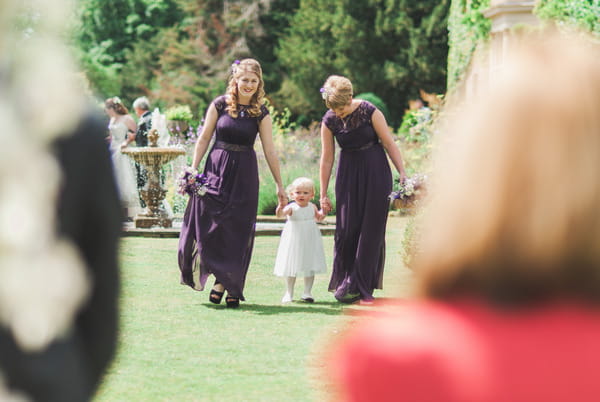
(468, 352)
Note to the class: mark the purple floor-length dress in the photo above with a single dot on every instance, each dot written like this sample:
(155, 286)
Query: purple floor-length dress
(217, 233)
(363, 184)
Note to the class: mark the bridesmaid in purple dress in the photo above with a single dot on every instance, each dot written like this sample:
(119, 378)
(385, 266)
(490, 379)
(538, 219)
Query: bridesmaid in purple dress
(363, 184)
(217, 234)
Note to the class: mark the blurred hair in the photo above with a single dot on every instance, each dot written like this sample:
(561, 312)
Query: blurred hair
(245, 66)
(338, 91)
(116, 104)
(36, 262)
(141, 103)
(514, 217)
(301, 182)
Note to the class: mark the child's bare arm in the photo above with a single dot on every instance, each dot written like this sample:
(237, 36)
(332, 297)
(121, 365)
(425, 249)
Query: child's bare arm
(281, 212)
(319, 215)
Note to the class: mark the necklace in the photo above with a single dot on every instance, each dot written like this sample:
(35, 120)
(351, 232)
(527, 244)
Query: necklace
(345, 120)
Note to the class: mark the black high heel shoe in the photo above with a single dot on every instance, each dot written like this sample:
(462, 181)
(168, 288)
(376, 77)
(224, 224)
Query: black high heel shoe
(232, 302)
(215, 296)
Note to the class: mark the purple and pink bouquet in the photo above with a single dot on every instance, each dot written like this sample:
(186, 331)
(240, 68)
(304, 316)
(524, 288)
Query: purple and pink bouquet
(191, 182)
(409, 191)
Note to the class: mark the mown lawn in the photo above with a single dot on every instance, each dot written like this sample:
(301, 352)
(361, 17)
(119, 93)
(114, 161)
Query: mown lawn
(176, 346)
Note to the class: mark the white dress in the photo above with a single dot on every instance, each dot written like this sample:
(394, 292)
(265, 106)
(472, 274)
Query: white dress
(300, 251)
(124, 169)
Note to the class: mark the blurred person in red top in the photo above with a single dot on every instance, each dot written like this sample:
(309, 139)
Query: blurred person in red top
(508, 269)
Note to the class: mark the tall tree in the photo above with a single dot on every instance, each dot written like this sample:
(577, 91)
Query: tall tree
(392, 48)
(108, 30)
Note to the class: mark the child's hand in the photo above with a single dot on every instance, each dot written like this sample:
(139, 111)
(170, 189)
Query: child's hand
(320, 215)
(279, 211)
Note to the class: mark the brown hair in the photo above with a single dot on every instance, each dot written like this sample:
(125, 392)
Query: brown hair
(245, 66)
(337, 91)
(116, 104)
(514, 216)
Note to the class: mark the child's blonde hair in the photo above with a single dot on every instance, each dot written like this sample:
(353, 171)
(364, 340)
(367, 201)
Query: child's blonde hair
(303, 182)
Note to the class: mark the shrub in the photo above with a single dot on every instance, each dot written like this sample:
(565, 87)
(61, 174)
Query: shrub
(179, 112)
(377, 101)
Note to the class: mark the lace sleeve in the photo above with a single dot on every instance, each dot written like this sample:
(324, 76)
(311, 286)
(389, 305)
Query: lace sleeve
(263, 112)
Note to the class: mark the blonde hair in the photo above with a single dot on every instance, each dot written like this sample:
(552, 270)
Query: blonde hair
(337, 91)
(257, 100)
(515, 212)
(301, 182)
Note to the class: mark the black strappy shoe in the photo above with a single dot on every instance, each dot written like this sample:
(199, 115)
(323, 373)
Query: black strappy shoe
(215, 296)
(232, 302)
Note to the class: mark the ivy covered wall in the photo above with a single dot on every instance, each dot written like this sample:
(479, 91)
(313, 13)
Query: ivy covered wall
(467, 27)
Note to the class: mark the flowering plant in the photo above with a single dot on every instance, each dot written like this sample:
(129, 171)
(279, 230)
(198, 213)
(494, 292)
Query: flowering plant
(409, 191)
(191, 182)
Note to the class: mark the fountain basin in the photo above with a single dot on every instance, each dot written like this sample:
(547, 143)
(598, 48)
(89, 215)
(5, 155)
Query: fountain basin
(153, 194)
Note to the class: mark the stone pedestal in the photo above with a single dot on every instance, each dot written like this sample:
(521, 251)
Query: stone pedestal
(153, 193)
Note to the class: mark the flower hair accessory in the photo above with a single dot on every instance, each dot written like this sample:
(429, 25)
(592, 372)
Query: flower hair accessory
(116, 100)
(191, 182)
(324, 93)
(234, 66)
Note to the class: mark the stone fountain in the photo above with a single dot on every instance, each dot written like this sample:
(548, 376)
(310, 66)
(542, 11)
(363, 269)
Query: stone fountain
(152, 158)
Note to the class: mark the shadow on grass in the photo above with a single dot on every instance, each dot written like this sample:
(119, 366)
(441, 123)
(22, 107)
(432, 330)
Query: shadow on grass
(327, 308)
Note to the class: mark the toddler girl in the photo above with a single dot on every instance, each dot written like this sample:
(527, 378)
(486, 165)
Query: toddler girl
(300, 251)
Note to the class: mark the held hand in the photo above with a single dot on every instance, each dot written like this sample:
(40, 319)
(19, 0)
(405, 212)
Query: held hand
(320, 215)
(282, 197)
(326, 205)
(124, 145)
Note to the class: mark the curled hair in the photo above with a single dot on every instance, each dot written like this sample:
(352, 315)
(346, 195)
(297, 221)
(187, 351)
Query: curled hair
(257, 100)
(116, 104)
(301, 182)
(337, 91)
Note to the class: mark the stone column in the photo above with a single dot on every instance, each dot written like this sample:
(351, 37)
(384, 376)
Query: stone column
(506, 15)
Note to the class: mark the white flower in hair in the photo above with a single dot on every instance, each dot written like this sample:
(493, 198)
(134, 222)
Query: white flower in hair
(234, 66)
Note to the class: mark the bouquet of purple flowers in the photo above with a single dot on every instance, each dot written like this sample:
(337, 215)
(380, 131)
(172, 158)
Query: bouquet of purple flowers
(191, 182)
(409, 192)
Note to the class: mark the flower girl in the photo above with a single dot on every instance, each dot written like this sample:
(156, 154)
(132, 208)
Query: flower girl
(300, 251)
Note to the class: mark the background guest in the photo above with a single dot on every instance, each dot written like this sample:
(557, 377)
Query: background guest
(141, 106)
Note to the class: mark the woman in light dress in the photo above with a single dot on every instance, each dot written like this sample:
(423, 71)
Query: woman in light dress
(122, 129)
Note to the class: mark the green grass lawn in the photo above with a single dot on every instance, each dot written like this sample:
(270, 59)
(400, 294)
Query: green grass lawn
(176, 346)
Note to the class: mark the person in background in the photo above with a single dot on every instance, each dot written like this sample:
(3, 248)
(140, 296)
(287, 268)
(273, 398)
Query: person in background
(122, 133)
(362, 188)
(141, 107)
(59, 218)
(218, 227)
(507, 303)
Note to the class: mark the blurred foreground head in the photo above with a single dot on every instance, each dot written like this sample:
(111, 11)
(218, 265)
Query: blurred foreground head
(42, 281)
(515, 213)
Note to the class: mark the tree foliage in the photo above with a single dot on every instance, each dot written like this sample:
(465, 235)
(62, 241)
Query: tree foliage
(180, 51)
(392, 48)
(583, 14)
